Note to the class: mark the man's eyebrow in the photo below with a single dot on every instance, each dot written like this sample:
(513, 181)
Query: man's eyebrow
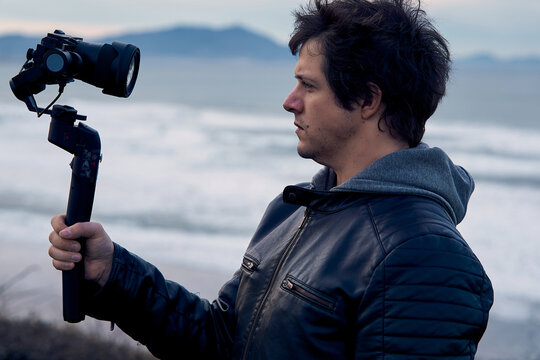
(305, 78)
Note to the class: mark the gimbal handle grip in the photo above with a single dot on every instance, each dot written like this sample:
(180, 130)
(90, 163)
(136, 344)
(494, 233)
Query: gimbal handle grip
(81, 198)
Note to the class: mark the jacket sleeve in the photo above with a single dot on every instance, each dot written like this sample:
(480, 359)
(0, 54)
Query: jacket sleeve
(163, 315)
(428, 298)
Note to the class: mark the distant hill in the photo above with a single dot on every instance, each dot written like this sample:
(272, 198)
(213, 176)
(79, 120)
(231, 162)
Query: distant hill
(209, 43)
(231, 42)
(182, 41)
(14, 47)
(486, 59)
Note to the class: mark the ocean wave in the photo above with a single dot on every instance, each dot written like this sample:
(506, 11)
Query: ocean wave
(190, 184)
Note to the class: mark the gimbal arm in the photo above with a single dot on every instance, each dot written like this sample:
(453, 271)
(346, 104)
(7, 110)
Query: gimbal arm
(84, 143)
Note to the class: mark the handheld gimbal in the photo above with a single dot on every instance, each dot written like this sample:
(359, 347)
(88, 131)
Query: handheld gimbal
(59, 59)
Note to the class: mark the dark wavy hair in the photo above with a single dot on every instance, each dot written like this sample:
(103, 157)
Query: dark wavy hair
(390, 43)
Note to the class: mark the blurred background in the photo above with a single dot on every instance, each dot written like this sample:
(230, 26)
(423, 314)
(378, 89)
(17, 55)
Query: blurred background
(192, 158)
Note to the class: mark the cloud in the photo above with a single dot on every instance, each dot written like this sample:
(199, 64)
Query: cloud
(504, 28)
(498, 26)
(33, 27)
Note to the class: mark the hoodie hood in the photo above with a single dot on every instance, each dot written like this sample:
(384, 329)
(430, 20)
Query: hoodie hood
(420, 171)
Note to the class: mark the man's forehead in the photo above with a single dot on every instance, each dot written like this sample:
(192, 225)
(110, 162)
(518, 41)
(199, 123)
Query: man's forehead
(310, 60)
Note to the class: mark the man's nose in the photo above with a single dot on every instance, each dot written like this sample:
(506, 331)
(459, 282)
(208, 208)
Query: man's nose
(292, 102)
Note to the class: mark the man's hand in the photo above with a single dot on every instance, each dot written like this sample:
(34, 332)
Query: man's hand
(65, 250)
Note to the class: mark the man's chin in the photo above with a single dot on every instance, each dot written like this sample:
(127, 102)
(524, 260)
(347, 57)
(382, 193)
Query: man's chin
(303, 153)
(304, 156)
(307, 154)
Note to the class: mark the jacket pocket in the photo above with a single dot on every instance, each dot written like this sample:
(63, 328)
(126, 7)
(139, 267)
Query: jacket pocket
(308, 293)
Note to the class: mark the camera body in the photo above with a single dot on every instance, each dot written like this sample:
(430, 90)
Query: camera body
(60, 58)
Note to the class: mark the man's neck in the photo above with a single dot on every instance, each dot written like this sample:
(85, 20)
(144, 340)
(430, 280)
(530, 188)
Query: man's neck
(353, 165)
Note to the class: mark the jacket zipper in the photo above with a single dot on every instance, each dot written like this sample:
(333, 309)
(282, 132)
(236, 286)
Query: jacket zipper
(249, 265)
(295, 287)
(274, 276)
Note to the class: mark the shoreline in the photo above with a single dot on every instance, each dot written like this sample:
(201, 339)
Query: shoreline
(30, 288)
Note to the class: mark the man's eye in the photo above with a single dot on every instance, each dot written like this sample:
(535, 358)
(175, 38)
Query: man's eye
(306, 85)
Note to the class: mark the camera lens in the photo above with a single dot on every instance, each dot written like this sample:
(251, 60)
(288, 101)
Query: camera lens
(112, 67)
(133, 68)
(130, 73)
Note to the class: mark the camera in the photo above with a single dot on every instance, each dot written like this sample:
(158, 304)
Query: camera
(60, 58)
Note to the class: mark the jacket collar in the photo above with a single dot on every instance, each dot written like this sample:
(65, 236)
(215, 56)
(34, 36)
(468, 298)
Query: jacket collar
(420, 171)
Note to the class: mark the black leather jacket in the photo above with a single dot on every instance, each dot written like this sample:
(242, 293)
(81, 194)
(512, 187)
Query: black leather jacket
(327, 275)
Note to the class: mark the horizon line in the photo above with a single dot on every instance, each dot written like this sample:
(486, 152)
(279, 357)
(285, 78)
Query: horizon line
(111, 31)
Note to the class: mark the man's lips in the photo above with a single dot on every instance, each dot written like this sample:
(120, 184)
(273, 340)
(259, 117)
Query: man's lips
(299, 129)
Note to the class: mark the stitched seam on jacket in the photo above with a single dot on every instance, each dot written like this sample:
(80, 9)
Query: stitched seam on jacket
(437, 223)
(449, 238)
(428, 234)
(438, 267)
(438, 356)
(383, 302)
(436, 302)
(429, 319)
(466, 254)
(384, 311)
(426, 337)
(383, 260)
(375, 229)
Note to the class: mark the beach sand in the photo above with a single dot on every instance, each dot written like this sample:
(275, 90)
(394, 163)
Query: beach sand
(36, 293)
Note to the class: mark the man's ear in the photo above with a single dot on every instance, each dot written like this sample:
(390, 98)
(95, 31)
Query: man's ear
(373, 104)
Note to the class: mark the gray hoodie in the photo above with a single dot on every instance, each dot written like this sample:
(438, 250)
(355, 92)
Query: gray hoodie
(421, 171)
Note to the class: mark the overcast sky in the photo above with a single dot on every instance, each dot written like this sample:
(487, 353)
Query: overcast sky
(502, 27)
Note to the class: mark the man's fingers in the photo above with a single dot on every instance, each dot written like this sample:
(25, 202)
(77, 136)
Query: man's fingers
(60, 265)
(63, 256)
(58, 223)
(64, 244)
(81, 230)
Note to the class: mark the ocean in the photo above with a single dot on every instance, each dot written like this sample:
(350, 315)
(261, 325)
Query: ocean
(193, 157)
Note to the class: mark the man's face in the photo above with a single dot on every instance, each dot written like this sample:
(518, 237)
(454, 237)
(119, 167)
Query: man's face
(325, 130)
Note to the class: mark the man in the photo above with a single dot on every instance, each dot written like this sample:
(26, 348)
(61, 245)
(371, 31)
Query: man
(364, 262)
